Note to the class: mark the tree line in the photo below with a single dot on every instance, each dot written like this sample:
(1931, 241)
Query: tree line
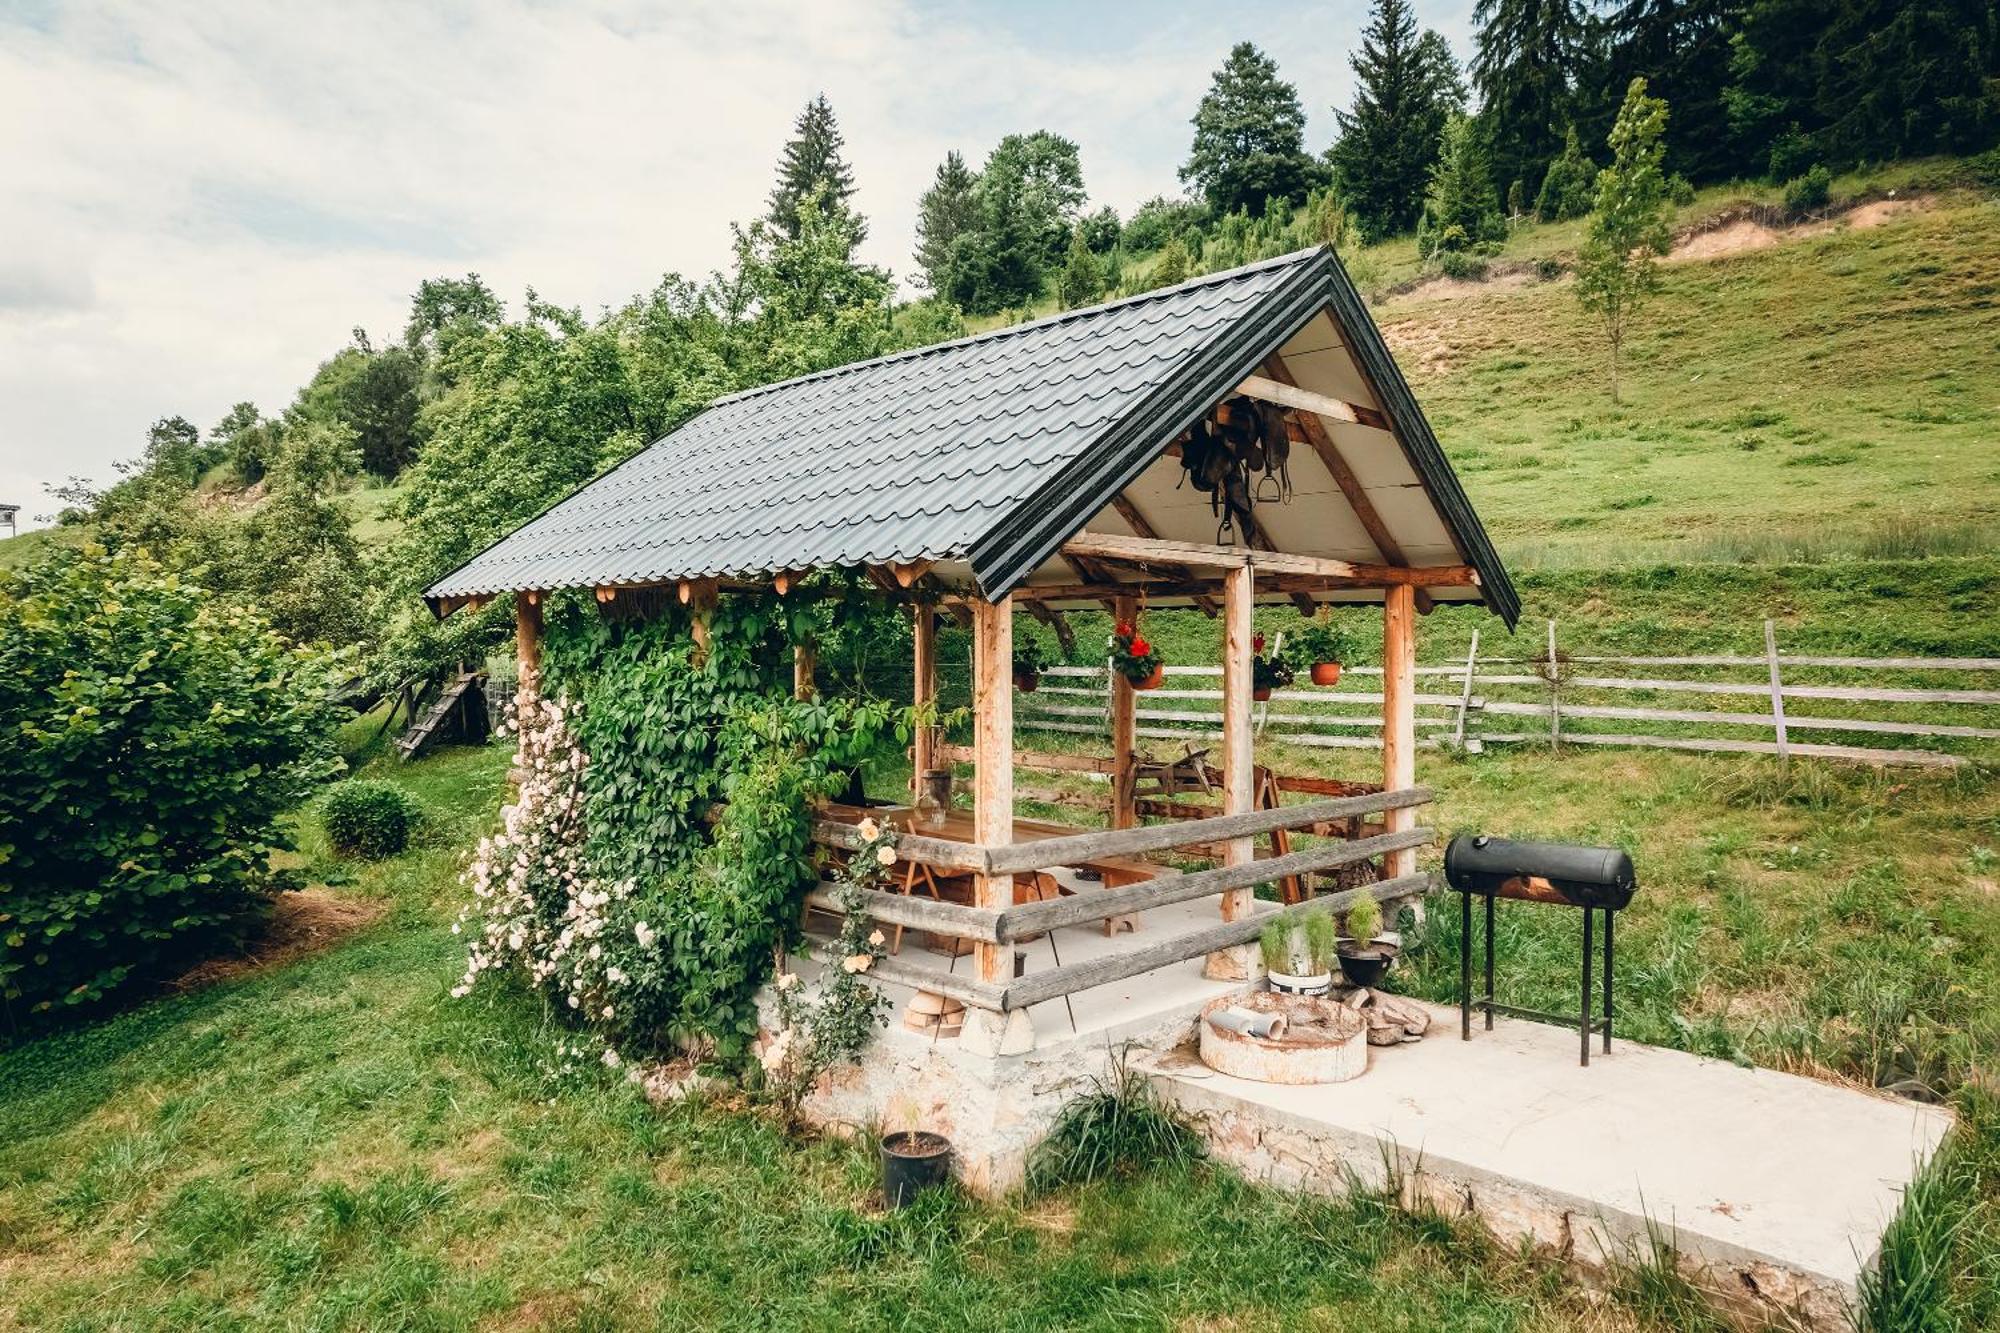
(482, 415)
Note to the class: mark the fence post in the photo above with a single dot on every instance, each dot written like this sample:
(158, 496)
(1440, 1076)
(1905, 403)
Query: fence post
(1777, 693)
(1555, 694)
(1465, 698)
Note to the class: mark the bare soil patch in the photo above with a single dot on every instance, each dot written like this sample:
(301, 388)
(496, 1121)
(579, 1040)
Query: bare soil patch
(303, 922)
(1455, 289)
(1735, 238)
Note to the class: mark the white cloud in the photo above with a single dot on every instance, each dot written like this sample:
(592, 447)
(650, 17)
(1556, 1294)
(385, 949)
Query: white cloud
(203, 198)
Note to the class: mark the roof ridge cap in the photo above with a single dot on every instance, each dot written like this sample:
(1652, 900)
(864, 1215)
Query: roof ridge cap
(1015, 330)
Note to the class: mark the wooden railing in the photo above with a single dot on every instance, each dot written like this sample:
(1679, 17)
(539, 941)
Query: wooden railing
(1027, 920)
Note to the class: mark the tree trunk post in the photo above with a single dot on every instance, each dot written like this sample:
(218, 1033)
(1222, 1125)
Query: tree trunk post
(527, 653)
(993, 813)
(923, 689)
(1239, 764)
(1399, 715)
(1124, 732)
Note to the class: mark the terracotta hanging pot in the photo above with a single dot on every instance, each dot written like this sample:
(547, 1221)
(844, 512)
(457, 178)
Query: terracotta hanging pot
(1262, 695)
(1027, 681)
(1326, 673)
(1152, 682)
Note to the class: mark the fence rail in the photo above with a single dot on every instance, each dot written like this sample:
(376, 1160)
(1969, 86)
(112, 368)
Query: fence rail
(1942, 723)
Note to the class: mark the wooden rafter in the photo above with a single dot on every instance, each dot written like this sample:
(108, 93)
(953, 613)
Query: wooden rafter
(1323, 446)
(1143, 527)
(1058, 626)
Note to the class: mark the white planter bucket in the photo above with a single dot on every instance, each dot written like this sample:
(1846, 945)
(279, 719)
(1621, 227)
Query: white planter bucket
(1317, 984)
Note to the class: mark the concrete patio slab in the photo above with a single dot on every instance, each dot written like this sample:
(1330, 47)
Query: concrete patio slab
(1777, 1186)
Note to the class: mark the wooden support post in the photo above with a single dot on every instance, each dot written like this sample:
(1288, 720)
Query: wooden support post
(1239, 765)
(1239, 768)
(993, 812)
(805, 657)
(1399, 715)
(527, 651)
(1124, 732)
(923, 643)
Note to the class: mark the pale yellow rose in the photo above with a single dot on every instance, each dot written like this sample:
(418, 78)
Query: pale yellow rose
(857, 962)
(886, 855)
(869, 830)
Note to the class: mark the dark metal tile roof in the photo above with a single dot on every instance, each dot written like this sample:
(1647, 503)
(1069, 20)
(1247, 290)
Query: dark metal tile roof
(992, 449)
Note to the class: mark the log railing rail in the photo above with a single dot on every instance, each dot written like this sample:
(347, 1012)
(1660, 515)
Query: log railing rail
(995, 927)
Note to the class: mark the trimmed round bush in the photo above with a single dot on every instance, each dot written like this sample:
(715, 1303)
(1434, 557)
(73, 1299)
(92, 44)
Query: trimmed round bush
(363, 817)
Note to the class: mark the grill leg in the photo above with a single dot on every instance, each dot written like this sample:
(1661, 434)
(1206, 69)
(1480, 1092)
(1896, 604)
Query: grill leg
(1588, 970)
(1465, 967)
(1608, 953)
(1489, 962)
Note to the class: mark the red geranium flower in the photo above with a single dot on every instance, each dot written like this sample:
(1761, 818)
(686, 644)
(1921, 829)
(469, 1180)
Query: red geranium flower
(1140, 647)
(1257, 644)
(1124, 630)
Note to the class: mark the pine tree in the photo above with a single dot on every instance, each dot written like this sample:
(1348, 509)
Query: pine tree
(1902, 78)
(1461, 208)
(1569, 189)
(1617, 267)
(1174, 265)
(947, 211)
(1682, 48)
(1249, 137)
(1405, 87)
(1529, 55)
(1082, 278)
(812, 160)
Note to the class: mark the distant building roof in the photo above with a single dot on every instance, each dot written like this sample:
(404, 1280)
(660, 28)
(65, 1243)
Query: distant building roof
(987, 453)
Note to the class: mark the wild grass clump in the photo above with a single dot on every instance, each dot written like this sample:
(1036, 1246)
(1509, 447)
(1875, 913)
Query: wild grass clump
(1939, 1266)
(1120, 1128)
(1653, 1285)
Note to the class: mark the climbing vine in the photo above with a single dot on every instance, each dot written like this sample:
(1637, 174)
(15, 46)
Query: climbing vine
(661, 850)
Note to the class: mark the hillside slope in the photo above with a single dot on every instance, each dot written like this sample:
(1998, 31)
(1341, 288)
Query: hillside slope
(1831, 394)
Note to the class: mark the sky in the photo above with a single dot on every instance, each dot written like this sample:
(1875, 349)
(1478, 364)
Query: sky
(200, 201)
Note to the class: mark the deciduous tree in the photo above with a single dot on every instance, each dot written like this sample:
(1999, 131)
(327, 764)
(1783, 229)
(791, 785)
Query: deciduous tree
(1617, 268)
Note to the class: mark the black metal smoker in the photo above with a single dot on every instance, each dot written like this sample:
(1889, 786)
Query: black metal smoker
(1592, 878)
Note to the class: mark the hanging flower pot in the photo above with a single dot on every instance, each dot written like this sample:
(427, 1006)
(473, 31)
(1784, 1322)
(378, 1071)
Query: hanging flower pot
(1030, 660)
(1267, 673)
(1135, 659)
(1325, 643)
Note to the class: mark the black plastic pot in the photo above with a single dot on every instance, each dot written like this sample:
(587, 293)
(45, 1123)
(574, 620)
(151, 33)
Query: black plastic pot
(1365, 966)
(913, 1160)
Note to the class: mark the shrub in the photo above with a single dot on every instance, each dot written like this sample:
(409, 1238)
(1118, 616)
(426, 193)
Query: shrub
(154, 737)
(1809, 193)
(1680, 189)
(363, 817)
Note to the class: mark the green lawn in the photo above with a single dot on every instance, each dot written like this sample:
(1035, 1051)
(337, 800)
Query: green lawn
(337, 1143)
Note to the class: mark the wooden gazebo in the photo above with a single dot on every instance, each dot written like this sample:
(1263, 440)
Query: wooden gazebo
(1048, 467)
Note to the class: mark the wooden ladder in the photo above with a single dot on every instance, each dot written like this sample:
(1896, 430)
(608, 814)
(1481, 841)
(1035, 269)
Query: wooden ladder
(425, 727)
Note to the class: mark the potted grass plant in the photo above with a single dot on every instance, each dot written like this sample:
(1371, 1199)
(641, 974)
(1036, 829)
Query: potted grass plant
(1030, 661)
(1298, 953)
(1364, 955)
(1135, 659)
(1324, 644)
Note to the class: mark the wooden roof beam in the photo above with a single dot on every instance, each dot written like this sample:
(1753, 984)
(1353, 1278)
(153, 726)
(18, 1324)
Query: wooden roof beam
(1269, 389)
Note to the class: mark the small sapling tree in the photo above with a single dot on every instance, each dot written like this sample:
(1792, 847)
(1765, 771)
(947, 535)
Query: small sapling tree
(1618, 267)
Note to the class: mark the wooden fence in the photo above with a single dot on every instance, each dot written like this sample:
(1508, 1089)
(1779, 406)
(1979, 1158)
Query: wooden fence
(1806, 705)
